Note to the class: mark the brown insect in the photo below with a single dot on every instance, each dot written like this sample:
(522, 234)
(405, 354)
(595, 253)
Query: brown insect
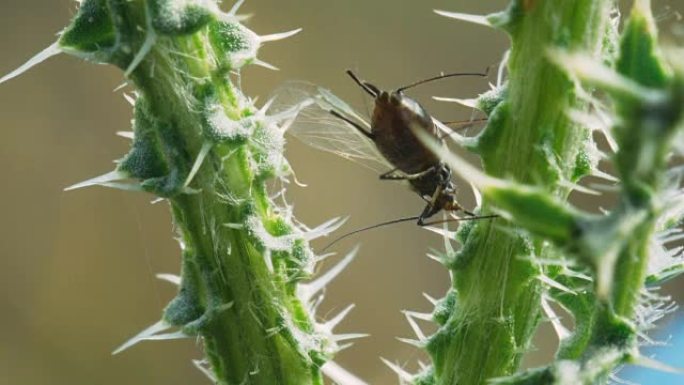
(388, 142)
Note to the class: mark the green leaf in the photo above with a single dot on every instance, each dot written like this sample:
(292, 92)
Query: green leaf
(92, 30)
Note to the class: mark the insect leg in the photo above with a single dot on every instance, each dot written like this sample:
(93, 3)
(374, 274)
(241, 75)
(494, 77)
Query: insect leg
(455, 208)
(425, 215)
(396, 174)
(393, 174)
(353, 124)
(429, 209)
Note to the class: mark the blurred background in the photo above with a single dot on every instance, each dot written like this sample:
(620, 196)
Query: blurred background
(77, 269)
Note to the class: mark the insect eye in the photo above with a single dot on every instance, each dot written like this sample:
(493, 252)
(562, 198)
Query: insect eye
(395, 98)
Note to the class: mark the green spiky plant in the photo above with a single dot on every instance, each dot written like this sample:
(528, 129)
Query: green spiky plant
(202, 145)
(570, 73)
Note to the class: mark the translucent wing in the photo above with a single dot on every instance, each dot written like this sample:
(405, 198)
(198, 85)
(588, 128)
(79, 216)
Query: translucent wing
(318, 128)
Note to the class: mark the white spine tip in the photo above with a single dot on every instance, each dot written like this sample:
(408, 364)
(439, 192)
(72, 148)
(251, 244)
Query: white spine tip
(130, 99)
(150, 39)
(143, 335)
(475, 19)
(555, 284)
(266, 106)
(43, 55)
(470, 103)
(477, 194)
(650, 363)
(308, 290)
(349, 336)
(604, 175)
(120, 87)
(102, 180)
(201, 365)
(404, 376)
(236, 7)
(418, 315)
(279, 36)
(432, 300)
(450, 132)
(340, 375)
(204, 151)
(579, 188)
(561, 331)
(324, 229)
(415, 343)
(298, 182)
(264, 64)
(441, 231)
(333, 322)
(414, 326)
(172, 278)
(126, 134)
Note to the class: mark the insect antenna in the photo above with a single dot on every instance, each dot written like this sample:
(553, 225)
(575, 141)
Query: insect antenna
(443, 76)
(472, 217)
(393, 221)
(353, 124)
(371, 89)
(464, 123)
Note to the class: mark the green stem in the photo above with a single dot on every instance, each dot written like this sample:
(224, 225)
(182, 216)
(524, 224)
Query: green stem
(528, 138)
(203, 146)
(614, 250)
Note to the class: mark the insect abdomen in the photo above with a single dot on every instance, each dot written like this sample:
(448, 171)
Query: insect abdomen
(394, 118)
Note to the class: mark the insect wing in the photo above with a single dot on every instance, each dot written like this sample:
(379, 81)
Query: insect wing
(317, 127)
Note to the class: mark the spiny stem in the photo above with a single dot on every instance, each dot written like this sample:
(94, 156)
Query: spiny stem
(598, 269)
(528, 138)
(203, 146)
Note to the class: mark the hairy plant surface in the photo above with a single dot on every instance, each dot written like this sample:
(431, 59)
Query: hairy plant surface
(202, 145)
(570, 73)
